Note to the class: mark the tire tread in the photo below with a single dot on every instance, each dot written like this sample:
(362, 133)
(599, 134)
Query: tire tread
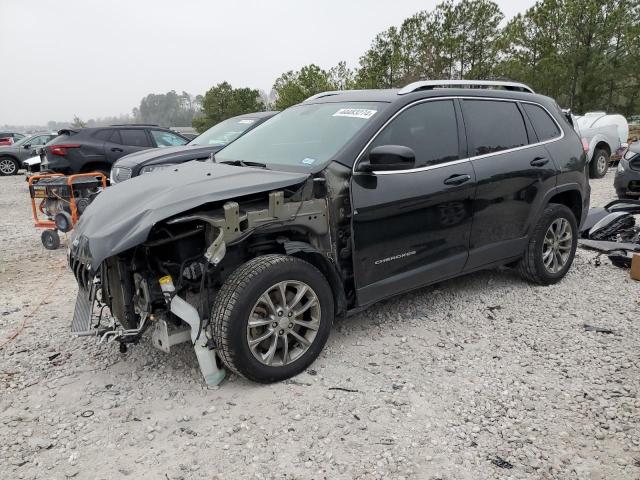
(527, 266)
(228, 297)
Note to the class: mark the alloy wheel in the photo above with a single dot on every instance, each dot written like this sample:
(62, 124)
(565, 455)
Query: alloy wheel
(7, 166)
(283, 323)
(556, 248)
(601, 164)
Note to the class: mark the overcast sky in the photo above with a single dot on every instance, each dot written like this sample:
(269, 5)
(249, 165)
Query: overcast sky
(94, 58)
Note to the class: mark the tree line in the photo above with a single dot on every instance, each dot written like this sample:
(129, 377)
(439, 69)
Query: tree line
(584, 53)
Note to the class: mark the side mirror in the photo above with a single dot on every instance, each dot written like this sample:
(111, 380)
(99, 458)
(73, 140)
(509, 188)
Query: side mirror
(388, 158)
(28, 145)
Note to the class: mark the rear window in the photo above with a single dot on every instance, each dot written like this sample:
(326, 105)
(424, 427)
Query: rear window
(494, 126)
(543, 124)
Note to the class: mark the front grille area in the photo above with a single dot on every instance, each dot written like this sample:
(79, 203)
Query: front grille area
(81, 271)
(121, 174)
(83, 312)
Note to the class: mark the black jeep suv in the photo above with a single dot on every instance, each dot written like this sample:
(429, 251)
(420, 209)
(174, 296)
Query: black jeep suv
(96, 149)
(332, 205)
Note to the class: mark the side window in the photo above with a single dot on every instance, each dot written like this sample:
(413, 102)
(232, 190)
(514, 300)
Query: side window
(103, 134)
(429, 129)
(37, 141)
(166, 139)
(543, 124)
(134, 137)
(493, 126)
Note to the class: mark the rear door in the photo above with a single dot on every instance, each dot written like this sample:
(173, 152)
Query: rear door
(513, 172)
(412, 227)
(124, 141)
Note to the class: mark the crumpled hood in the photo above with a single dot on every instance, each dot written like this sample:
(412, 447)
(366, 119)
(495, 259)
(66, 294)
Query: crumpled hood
(122, 216)
(177, 154)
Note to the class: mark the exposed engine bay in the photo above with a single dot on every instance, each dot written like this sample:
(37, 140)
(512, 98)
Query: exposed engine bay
(167, 283)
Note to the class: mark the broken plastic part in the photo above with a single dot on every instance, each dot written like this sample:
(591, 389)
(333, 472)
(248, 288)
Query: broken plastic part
(606, 247)
(206, 357)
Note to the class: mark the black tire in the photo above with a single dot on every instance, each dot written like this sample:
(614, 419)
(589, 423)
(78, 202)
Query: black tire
(531, 267)
(8, 166)
(236, 300)
(599, 163)
(50, 239)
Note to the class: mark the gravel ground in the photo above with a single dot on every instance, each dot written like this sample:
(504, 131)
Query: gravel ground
(480, 377)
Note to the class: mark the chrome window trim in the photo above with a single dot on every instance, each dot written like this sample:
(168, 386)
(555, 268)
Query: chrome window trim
(460, 160)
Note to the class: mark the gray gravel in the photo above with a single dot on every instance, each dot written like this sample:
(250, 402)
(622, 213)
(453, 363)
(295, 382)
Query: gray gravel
(476, 378)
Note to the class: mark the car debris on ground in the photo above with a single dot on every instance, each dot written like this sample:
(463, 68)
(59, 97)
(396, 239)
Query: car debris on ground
(613, 230)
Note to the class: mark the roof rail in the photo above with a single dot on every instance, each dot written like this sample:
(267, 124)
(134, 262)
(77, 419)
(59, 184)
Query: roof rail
(433, 84)
(323, 94)
(134, 125)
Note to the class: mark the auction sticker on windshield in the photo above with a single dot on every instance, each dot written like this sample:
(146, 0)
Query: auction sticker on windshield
(244, 122)
(355, 113)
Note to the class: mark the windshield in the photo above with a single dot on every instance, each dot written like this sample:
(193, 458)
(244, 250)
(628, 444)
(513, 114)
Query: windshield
(303, 135)
(224, 132)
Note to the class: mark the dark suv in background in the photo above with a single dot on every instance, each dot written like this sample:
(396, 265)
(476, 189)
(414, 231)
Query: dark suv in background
(332, 205)
(200, 148)
(96, 149)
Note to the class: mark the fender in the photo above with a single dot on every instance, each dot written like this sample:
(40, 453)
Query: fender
(314, 256)
(600, 138)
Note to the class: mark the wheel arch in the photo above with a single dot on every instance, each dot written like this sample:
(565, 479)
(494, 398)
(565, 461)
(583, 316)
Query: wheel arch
(309, 253)
(12, 157)
(603, 145)
(569, 196)
(92, 166)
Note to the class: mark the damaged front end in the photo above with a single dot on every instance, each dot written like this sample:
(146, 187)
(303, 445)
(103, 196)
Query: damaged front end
(167, 282)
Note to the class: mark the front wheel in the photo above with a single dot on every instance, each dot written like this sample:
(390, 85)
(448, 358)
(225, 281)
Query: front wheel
(272, 317)
(552, 246)
(599, 163)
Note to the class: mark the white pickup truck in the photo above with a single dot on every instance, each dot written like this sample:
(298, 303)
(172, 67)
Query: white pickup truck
(606, 136)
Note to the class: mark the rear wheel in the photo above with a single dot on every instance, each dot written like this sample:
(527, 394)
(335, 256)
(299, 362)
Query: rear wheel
(599, 163)
(272, 317)
(8, 166)
(552, 246)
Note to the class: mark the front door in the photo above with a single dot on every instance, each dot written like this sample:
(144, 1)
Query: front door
(411, 228)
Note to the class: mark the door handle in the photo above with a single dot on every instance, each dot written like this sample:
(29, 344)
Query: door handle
(457, 179)
(539, 161)
(117, 150)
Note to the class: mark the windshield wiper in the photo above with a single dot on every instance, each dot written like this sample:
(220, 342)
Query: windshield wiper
(242, 163)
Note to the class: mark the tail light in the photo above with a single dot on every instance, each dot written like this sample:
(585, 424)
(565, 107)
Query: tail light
(62, 149)
(585, 145)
